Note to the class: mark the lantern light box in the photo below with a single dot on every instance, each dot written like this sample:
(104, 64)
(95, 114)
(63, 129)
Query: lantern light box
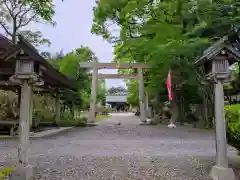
(218, 58)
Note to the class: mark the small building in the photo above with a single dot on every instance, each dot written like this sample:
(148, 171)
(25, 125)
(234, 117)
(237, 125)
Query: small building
(117, 101)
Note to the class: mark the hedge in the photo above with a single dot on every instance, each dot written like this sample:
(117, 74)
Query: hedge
(77, 122)
(232, 113)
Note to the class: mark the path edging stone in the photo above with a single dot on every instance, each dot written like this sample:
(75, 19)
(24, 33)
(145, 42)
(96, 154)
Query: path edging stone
(41, 134)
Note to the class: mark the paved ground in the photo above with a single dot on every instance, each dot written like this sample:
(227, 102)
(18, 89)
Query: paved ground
(125, 152)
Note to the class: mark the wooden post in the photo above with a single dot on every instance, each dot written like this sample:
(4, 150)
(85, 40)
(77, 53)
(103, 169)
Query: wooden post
(57, 106)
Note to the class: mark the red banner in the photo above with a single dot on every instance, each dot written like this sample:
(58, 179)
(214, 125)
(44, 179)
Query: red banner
(169, 85)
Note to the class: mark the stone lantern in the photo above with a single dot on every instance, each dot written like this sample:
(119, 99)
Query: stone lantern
(26, 74)
(216, 61)
(24, 66)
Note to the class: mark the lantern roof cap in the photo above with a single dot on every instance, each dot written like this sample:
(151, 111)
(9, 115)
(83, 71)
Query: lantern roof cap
(226, 44)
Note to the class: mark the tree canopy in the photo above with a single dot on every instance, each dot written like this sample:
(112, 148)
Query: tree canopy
(116, 90)
(69, 65)
(16, 15)
(167, 34)
(45, 8)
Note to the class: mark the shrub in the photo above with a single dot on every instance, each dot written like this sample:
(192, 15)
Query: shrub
(8, 105)
(44, 115)
(191, 117)
(81, 122)
(106, 111)
(67, 115)
(43, 108)
(77, 122)
(233, 125)
(154, 121)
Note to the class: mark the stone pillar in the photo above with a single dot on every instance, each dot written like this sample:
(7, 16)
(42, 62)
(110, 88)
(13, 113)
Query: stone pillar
(141, 96)
(57, 106)
(31, 108)
(93, 99)
(24, 122)
(19, 98)
(221, 171)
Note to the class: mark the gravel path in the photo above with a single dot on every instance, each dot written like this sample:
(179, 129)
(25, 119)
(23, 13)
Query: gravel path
(125, 152)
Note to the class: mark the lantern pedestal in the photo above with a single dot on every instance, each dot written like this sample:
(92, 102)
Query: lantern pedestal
(25, 169)
(22, 172)
(222, 173)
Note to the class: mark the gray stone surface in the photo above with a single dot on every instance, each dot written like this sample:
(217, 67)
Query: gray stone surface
(49, 132)
(122, 152)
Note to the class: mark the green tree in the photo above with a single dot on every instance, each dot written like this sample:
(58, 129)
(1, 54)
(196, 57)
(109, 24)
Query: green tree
(115, 90)
(45, 8)
(133, 95)
(167, 35)
(69, 64)
(17, 15)
(101, 92)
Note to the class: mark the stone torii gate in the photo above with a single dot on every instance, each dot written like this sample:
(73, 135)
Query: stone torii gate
(96, 66)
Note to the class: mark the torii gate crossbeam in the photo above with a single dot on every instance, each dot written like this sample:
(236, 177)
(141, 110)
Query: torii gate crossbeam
(117, 76)
(92, 65)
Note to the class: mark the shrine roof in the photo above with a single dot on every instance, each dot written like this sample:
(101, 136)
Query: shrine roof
(8, 52)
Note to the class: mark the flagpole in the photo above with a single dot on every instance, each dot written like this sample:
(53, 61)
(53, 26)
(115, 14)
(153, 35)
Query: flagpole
(170, 95)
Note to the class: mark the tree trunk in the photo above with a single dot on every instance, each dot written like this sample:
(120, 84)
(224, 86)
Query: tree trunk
(14, 32)
(175, 111)
(210, 107)
(72, 110)
(205, 110)
(181, 109)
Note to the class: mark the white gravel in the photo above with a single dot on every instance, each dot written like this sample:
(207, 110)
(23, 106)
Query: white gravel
(125, 152)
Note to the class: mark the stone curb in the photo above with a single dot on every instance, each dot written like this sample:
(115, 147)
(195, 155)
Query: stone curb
(50, 132)
(40, 134)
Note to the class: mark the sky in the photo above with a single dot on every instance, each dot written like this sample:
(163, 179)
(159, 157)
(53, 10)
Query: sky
(73, 29)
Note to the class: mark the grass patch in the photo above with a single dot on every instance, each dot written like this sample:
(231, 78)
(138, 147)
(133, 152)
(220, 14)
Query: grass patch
(102, 117)
(6, 172)
(76, 122)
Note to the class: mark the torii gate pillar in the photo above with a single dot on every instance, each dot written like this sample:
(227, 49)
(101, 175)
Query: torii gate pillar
(93, 100)
(141, 96)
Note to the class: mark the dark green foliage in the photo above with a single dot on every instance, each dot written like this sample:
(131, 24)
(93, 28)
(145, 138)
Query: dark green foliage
(106, 111)
(76, 122)
(191, 117)
(117, 90)
(69, 65)
(167, 35)
(45, 8)
(233, 125)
